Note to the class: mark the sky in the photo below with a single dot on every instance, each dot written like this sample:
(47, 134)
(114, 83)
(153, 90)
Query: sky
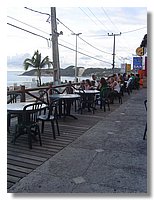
(95, 23)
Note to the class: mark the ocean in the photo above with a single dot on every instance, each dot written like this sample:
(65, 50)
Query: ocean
(14, 78)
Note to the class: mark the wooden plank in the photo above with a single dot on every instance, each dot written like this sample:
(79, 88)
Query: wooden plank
(44, 152)
(26, 160)
(23, 155)
(21, 164)
(9, 184)
(18, 168)
(12, 178)
(16, 173)
(22, 160)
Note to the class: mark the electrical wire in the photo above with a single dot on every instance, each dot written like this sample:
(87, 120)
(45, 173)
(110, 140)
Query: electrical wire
(85, 54)
(81, 38)
(49, 16)
(134, 30)
(99, 20)
(109, 18)
(27, 25)
(65, 25)
(70, 29)
(94, 46)
(88, 16)
(58, 43)
(27, 31)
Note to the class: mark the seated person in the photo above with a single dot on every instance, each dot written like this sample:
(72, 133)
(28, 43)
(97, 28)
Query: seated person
(69, 88)
(87, 84)
(115, 88)
(87, 98)
(92, 84)
(102, 83)
(104, 91)
(82, 85)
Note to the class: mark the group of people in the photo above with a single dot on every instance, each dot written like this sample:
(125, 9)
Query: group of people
(111, 87)
(116, 83)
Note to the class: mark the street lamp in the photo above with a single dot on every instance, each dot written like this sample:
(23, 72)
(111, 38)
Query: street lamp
(76, 34)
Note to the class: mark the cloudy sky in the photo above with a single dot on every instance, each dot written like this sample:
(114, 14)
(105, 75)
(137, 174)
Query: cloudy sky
(94, 23)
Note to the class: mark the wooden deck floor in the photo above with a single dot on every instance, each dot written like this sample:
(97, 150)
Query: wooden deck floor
(21, 160)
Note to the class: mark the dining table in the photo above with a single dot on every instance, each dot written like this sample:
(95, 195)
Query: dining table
(65, 103)
(88, 98)
(18, 110)
(87, 91)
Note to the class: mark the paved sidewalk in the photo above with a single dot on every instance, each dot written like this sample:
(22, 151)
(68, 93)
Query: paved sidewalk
(111, 157)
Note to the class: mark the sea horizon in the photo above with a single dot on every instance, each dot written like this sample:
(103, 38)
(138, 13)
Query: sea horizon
(14, 78)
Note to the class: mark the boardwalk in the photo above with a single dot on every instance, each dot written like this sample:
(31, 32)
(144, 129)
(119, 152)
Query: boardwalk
(22, 161)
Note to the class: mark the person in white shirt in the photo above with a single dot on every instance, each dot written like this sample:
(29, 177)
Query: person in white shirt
(115, 87)
(94, 79)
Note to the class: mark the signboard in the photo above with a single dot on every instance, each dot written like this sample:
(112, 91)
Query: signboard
(128, 67)
(140, 51)
(137, 63)
(123, 68)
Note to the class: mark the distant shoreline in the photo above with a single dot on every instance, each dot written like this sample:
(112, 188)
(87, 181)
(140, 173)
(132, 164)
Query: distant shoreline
(70, 71)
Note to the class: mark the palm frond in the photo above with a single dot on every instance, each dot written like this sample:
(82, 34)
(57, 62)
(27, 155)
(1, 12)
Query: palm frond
(45, 62)
(28, 63)
(36, 63)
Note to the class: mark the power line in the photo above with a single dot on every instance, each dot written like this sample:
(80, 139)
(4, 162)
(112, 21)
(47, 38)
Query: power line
(27, 31)
(73, 45)
(65, 26)
(88, 16)
(85, 54)
(121, 32)
(134, 30)
(69, 29)
(27, 25)
(109, 19)
(48, 20)
(98, 19)
(82, 38)
(94, 46)
(59, 44)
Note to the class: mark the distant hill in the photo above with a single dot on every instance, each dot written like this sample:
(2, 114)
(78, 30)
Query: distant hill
(100, 72)
(70, 71)
(33, 72)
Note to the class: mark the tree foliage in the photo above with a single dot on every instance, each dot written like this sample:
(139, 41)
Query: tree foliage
(38, 63)
(144, 41)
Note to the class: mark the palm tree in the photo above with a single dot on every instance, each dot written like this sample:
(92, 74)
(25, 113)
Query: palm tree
(36, 63)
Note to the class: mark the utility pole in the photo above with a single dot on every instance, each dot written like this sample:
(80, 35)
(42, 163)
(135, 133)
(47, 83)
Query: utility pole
(113, 64)
(55, 50)
(76, 34)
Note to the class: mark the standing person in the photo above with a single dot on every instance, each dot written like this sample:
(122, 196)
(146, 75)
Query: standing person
(94, 80)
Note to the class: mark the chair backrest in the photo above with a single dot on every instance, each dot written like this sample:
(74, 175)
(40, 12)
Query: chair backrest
(82, 94)
(13, 98)
(43, 97)
(54, 91)
(31, 112)
(69, 89)
(53, 108)
(105, 92)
